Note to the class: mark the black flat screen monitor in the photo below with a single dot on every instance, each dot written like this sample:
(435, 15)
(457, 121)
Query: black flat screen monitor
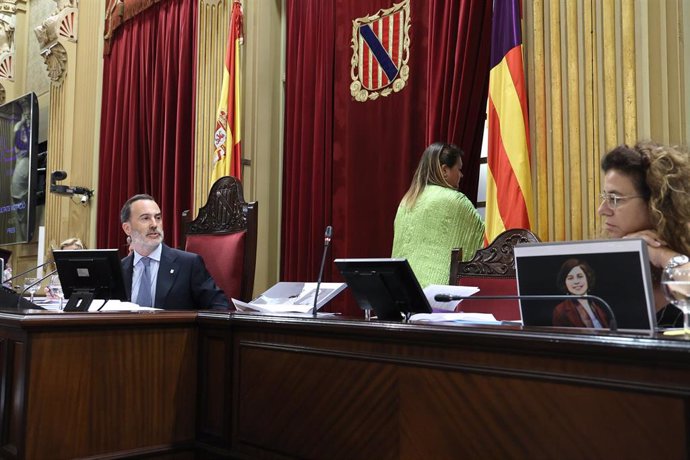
(89, 274)
(387, 286)
(18, 163)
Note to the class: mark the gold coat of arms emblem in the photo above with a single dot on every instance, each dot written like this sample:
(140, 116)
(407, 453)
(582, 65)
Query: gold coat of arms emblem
(380, 51)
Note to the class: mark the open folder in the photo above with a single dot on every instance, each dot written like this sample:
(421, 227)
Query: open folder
(287, 297)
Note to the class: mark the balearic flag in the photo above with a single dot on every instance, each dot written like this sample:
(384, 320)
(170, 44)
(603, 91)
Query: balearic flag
(509, 183)
(227, 157)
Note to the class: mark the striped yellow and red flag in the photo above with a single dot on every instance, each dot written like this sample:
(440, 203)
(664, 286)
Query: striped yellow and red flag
(509, 184)
(227, 157)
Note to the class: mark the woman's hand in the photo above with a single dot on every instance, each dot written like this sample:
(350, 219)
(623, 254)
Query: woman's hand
(649, 236)
(50, 294)
(659, 252)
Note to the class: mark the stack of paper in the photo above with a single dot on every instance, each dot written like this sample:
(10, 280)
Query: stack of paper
(288, 297)
(454, 317)
(117, 305)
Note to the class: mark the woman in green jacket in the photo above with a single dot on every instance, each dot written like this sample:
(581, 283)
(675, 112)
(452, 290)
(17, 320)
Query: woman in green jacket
(434, 217)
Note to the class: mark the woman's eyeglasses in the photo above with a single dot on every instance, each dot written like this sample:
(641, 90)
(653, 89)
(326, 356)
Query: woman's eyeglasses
(613, 200)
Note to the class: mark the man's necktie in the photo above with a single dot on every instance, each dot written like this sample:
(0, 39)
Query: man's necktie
(144, 295)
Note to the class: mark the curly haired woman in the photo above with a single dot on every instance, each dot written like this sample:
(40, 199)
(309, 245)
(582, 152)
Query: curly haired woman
(646, 195)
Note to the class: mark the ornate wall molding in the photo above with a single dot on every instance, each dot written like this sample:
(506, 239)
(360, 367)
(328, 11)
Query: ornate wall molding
(8, 22)
(55, 58)
(62, 24)
(2, 94)
(117, 12)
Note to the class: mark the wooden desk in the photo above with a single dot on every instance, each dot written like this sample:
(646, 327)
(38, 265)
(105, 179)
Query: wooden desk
(303, 388)
(201, 384)
(80, 385)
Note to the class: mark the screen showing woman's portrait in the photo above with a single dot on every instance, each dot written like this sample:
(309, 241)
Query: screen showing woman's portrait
(576, 277)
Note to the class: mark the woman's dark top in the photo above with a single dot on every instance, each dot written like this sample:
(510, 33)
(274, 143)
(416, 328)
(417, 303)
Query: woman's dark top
(669, 316)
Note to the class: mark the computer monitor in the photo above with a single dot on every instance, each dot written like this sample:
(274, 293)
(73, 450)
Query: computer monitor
(89, 274)
(18, 169)
(616, 270)
(387, 286)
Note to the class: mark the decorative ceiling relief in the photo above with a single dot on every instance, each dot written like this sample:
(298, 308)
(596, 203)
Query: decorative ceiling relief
(62, 24)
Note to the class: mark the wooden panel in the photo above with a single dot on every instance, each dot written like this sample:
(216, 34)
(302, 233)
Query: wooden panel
(314, 406)
(333, 389)
(215, 390)
(302, 403)
(483, 416)
(4, 376)
(110, 391)
(17, 396)
(277, 387)
(13, 397)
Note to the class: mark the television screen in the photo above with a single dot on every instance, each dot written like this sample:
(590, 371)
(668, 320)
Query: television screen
(90, 273)
(18, 153)
(387, 286)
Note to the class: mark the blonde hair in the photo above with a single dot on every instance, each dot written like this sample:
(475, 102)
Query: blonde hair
(429, 171)
(72, 242)
(661, 174)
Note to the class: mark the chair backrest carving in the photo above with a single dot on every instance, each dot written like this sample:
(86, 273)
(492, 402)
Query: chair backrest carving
(234, 222)
(497, 260)
(225, 210)
(492, 270)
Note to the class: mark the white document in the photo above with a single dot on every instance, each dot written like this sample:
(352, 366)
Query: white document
(96, 305)
(271, 308)
(287, 297)
(49, 304)
(454, 317)
(117, 305)
(431, 290)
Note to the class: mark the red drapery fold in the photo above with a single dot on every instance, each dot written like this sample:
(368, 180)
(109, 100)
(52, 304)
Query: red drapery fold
(348, 163)
(147, 119)
(307, 169)
(459, 80)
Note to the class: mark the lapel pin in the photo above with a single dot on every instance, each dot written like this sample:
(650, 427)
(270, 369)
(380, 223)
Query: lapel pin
(172, 270)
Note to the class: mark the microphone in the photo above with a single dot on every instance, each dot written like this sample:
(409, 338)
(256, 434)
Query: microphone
(448, 297)
(326, 242)
(39, 281)
(29, 270)
(613, 324)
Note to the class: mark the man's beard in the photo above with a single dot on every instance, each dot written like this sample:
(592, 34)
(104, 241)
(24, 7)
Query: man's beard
(141, 241)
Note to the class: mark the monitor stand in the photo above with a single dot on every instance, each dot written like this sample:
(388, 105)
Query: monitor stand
(80, 300)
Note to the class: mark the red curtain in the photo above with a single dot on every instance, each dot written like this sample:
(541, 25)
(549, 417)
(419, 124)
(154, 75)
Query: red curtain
(348, 163)
(307, 166)
(147, 119)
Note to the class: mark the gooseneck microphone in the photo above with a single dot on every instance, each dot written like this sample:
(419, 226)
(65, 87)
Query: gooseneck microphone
(613, 324)
(27, 271)
(38, 281)
(326, 242)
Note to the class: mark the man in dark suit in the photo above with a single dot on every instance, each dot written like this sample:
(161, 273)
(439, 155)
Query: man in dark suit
(158, 275)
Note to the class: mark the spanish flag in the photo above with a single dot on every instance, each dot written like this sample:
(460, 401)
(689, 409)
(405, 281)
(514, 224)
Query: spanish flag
(509, 185)
(227, 157)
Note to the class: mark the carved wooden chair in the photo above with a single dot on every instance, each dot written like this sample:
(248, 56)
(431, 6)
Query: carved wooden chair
(492, 269)
(224, 235)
